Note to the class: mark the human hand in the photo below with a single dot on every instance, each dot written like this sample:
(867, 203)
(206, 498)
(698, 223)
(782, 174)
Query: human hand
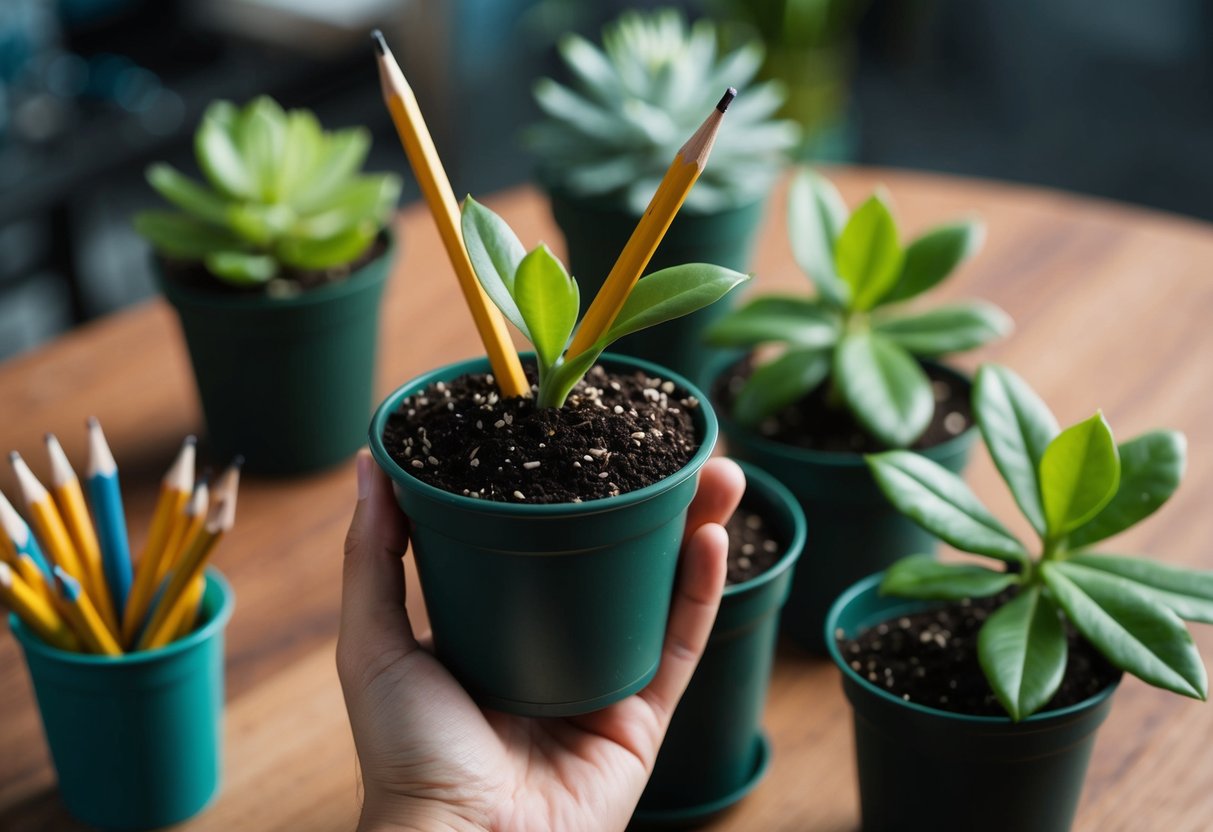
(431, 758)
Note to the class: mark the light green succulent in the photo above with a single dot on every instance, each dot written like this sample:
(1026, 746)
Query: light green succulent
(635, 101)
(281, 194)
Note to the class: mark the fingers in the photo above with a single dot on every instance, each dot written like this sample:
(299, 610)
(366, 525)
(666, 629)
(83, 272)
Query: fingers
(374, 623)
(721, 484)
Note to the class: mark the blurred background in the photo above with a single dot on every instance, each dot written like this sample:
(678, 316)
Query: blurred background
(1111, 98)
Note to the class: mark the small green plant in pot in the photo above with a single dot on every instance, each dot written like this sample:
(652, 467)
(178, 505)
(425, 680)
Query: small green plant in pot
(1038, 643)
(275, 266)
(608, 138)
(854, 372)
(546, 528)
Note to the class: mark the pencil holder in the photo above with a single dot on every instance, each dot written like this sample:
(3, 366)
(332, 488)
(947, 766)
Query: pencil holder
(136, 739)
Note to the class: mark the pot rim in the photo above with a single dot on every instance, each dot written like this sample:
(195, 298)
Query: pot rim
(787, 503)
(869, 584)
(405, 479)
(838, 459)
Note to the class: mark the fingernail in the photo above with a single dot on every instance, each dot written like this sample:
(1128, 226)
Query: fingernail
(364, 476)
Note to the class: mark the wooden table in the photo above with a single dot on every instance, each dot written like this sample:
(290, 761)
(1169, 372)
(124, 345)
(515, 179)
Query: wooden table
(1113, 306)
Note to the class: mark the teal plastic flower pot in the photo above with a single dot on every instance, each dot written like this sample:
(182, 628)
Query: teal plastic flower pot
(714, 751)
(596, 232)
(856, 531)
(923, 768)
(547, 610)
(287, 382)
(136, 739)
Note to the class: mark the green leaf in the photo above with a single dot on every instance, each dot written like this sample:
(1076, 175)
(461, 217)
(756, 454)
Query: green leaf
(361, 199)
(934, 255)
(327, 252)
(303, 146)
(1151, 467)
(547, 298)
(1079, 475)
(187, 194)
(941, 503)
(561, 380)
(671, 293)
(1132, 630)
(1022, 650)
(884, 387)
(1189, 592)
(240, 268)
(1017, 427)
(798, 322)
(816, 216)
(260, 223)
(946, 329)
(341, 155)
(495, 252)
(777, 384)
(182, 236)
(261, 137)
(218, 154)
(867, 255)
(926, 578)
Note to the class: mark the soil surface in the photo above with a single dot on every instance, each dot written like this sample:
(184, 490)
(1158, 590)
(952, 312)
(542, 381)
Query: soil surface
(615, 434)
(931, 658)
(290, 282)
(814, 423)
(754, 545)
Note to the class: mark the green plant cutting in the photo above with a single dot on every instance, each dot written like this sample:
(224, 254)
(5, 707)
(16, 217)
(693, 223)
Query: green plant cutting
(854, 335)
(536, 293)
(1076, 487)
(634, 101)
(281, 193)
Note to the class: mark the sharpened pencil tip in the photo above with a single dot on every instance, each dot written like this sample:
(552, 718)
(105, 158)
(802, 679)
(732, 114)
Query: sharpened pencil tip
(92, 422)
(238, 461)
(48, 437)
(14, 457)
(727, 99)
(191, 440)
(380, 43)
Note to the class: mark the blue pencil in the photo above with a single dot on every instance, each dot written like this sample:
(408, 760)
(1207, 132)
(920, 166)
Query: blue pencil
(106, 499)
(23, 539)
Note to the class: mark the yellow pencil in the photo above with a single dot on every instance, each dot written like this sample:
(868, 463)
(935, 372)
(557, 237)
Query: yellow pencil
(23, 553)
(47, 522)
(423, 158)
(681, 175)
(184, 614)
(65, 487)
(174, 493)
(35, 611)
(187, 525)
(83, 616)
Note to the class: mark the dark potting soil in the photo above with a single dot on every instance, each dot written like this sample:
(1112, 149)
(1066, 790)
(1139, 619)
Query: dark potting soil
(193, 274)
(931, 658)
(617, 432)
(814, 423)
(754, 545)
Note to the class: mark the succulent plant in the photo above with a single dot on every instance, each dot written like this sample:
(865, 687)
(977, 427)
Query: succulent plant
(281, 194)
(634, 101)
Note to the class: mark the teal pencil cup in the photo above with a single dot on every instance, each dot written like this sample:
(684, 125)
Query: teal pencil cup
(136, 739)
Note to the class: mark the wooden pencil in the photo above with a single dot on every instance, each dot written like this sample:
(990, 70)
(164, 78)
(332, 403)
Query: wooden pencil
(48, 524)
(22, 540)
(35, 611)
(105, 494)
(83, 616)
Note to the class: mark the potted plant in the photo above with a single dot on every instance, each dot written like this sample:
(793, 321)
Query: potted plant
(855, 374)
(546, 528)
(276, 267)
(606, 143)
(715, 751)
(992, 681)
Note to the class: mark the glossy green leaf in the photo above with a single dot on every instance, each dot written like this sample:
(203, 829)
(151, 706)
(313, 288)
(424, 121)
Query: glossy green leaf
(547, 298)
(302, 150)
(219, 155)
(187, 194)
(867, 255)
(946, 329)
(1017, 427)
(1189, 592)
(1132, 630)
(261, 137)
(495, 252)
(362, 199)
(927, 578)
(816, 216)
(1151, 467)
(342, 155)
(884, 387)
(564, 377)
(941, 503)
(796, 321)
(1079, 475)
(935, 255)
(182, 236)
(240, 268)
(260, 223)
(671, 293)
(776, 384)
(327, 252)
(1022, 650)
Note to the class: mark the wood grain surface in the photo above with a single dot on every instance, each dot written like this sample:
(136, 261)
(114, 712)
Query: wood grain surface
(1113, 307)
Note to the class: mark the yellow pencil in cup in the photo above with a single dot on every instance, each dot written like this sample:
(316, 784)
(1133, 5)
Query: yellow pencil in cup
(174, 494)
(184, 616)
(83, 616)
(69, 498)
(48, 524)
(26, 555)
(689, 162)
(221, 516)
(187, 524)
(35, 612)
